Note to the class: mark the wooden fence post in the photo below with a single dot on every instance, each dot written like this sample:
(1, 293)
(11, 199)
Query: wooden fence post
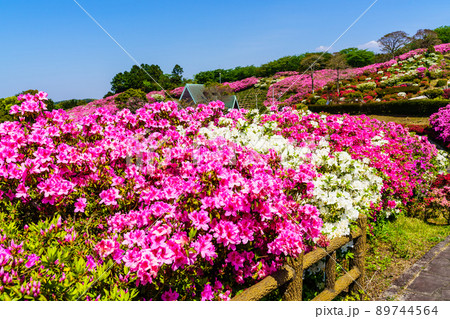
(330, 271)
(359, 251)
(294, 288)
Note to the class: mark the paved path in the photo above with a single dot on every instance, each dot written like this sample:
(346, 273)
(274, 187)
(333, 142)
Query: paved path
(428, 279)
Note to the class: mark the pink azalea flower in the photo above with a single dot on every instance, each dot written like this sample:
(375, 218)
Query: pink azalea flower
(170, 295)
(90, 263)
(106, 247)
(42, 95)
(200, 220)
(109, 196)
(207, 293)
(204, 247)
(227, 233)
(80, 205)
(236, 259)
(32, 259)
(22, 191)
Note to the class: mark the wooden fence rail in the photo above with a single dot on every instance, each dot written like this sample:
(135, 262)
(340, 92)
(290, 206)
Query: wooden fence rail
(290, 276)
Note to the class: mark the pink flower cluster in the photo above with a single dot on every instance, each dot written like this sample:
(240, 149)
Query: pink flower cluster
(440, 123)
(405, 162)
(151, 99)
(80, 111)
(176, 204)
(30, 104)
(242, 84)
(177, 92)
(297, 86)
(442, 48)
(284, 73)
(410, 54)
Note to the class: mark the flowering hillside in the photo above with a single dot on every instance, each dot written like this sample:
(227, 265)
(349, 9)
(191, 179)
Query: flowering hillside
(406, 76)
(187, 204)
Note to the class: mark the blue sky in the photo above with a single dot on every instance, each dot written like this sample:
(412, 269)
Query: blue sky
(52, 45)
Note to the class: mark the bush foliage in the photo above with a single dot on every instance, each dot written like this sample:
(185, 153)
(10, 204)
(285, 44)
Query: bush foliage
(402, 107)
(131, 99)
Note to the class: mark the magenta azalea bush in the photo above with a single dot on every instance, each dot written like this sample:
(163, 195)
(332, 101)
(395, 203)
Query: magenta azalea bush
(407, 163)
(440, 123)
(132, 206)
(242, 84)
(112, 205)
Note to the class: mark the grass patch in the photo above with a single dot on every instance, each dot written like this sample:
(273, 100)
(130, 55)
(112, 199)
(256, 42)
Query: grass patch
(402, 119)
(395, 248)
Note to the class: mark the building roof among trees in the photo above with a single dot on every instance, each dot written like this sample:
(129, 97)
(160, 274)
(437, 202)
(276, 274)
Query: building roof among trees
(195, 92)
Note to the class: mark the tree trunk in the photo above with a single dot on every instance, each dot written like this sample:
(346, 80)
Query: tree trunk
(312, 81)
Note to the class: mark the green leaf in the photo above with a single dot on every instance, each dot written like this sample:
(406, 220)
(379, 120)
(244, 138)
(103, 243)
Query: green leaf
(192, 233)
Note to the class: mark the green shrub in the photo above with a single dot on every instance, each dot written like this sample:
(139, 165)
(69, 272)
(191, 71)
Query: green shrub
(5, 106)
(421, 108)
(441, 83)
(408, 77)
(432, 94)
(406, 89)
(68, 104)
(131, 99)
(355, 95)
(321, 102)
(366, 86)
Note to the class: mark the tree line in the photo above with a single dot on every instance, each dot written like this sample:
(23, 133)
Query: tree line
(149, 78)
(399, 42)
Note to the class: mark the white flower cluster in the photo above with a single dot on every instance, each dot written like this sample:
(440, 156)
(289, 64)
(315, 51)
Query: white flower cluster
(259, 137)
(158, 97)
(379, 140)
(442, 161)
(344, 190)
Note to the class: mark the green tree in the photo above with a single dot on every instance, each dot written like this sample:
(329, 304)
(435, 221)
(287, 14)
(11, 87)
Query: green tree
(287, 63)
(5, 107)
(443, 33)
(145, 78)
(131, 99)
(210, 76)
(358, 58)
(424, 38)
(177, 74)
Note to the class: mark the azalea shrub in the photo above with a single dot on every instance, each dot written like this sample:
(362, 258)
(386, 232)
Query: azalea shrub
(142, 202)
(436, 205)
(440, 123)
(242, 84)
(131, 99)
(187, 204)
(407, 163)
(438, 200)
(341, 188)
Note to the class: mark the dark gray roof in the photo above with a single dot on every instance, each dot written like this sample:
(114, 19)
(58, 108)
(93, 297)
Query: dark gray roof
(196, 93)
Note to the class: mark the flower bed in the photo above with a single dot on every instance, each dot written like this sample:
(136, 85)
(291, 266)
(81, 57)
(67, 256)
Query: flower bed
(190, 204)
(144, 197)
(242, 84)
(440, 123)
